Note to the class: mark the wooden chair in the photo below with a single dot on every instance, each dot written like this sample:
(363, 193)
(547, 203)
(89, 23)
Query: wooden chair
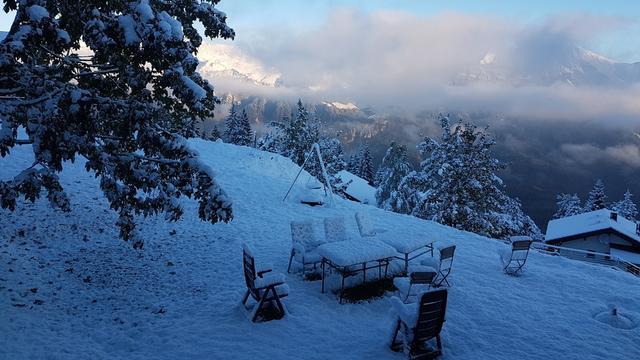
(513, 261)
(264, 289)
(420, 329)
(303, 245)
(420, 279)
(443, 265)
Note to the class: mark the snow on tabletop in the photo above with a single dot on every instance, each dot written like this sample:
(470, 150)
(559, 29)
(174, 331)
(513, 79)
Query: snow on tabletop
(587, 222)
(402, 244)
(95, 297)
(358, 188)
(351, 252)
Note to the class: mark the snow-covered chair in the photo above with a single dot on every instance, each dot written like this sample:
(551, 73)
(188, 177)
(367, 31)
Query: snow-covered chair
(420, 279)
(513, 260)
(264, 289)
(418, 324)
(303, 245)
(442, 265)
(334, 229)
(365, 226)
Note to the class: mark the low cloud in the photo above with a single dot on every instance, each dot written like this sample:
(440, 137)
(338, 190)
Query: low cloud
(588, 154)
(388, 58)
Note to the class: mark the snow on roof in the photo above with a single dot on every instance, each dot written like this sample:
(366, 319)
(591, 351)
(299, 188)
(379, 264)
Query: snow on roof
(359, 187)
(589, 222)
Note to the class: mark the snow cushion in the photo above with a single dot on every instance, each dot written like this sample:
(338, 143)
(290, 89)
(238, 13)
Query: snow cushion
(269, 279)
(351, 252)
(365, 226)
(281, 290)
(408, 313)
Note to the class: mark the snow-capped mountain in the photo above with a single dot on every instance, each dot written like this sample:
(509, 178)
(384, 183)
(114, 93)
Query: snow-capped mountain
(228, 61)
(581, 67)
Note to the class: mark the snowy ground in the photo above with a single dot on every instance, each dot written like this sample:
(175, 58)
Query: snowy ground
(70, 289)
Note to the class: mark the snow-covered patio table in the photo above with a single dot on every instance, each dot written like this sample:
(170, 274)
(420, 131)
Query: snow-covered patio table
(409, 247)
(352, 256)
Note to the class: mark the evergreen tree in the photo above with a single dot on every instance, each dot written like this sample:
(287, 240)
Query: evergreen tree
(126, 107)
(395, 166)
(352, 164)
(458, 185)
(626, 207)
(597, 197)
(567, 205)
(238, 129)
(295, 136)
(333, 158)
(365, 167)
(214, 135)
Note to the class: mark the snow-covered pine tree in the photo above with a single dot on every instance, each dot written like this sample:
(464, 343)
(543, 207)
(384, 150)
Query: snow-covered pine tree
(365, 167)
(626, 207)
(295, 136)
(512, 221)
(125, 107)
(395, 166)
(237, 128)
(352, 164)
(568, 205)
(214, 134)
(597, 197)
(333, 158)
(458, 185)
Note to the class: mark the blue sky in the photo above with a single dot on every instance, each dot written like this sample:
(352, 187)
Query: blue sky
(250, 16)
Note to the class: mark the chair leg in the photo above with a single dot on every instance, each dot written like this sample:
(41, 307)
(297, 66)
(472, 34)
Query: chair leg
(408, 293)
(246, 296)
(394, 344)
(290, 260)
(260, 304)
(278, 303)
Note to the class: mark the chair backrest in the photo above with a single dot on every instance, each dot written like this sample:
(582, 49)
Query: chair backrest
(365, 227)
(334, 229)
(431, 312)
(249, 267)
(302, 233)
(446, 257)
(520, 249)
(422, 277)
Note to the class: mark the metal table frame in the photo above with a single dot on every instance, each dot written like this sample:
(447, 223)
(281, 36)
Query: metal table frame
(408, 257)
(349, 270)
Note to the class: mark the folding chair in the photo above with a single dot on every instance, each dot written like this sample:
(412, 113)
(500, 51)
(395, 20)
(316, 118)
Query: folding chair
(513, 261)
(420, 279)
(265, 290)
(420, 329)
(303, 245)
(443, 265)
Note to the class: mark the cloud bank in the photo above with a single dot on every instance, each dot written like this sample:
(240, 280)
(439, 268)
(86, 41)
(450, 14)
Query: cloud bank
(453, 62)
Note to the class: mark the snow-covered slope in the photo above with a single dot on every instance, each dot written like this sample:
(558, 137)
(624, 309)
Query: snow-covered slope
(70, 289)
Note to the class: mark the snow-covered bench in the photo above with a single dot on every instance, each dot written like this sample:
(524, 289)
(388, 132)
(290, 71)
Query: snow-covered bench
(264, 289)
(303, 245)
(418, 324)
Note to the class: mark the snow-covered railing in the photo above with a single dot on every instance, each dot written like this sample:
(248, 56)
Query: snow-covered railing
(588, 256)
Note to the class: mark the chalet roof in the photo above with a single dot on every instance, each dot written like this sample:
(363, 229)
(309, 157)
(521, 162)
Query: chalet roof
(593, 222)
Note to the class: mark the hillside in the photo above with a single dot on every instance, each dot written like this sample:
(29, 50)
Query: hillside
(69, 288)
